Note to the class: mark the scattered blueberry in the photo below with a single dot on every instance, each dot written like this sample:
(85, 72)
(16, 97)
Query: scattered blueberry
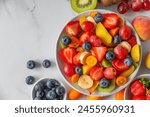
(78, 70)
(104, 83)
(110, 55)
(60, 90)
(65, 40)
(30, 80)
(128, 61)
(98, 18)
(38, 87)
(31, 64)
(50, 83)
(39, 94)
(51, 95)
(117, 39)
(86, 46)
(46, 63)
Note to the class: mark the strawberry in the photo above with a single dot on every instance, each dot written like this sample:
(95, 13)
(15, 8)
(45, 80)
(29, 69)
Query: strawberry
(140, 97)
(119, 65)
(100, 52)
(148, 96)
(73, 28)
(87, 26)
(95, 41)
(68, 70)
(85, 37)
(132, 41)
(67, 54)
(111, 20)
(76, 59)
(137, 88)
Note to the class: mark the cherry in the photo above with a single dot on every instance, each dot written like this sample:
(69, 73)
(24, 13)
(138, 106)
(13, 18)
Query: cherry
(136, 5)
(123, 7)
(146, 5)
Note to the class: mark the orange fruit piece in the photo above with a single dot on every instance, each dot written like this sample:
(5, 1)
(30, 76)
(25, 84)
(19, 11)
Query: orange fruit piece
(75, 78)
(91, 60)
(74, 95)
(92, 89)
(114, 31)
(86, 69)
(92, 13)
(121, 80)
(79, 49)
(94, 98)
(82, 19)
(74, 42)
(119, 95)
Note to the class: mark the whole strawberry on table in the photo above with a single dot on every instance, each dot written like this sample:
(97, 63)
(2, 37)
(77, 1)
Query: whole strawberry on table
(99, 52)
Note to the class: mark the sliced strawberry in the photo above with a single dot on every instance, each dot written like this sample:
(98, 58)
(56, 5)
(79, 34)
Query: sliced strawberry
(73, 28)
(76, 59)
(132, 41)
(100, 52)
(111, 20)
(67, 55)
(85, 37)
(119, 65)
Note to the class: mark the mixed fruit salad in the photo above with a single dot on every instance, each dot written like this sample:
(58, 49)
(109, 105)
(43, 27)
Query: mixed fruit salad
(98, 51)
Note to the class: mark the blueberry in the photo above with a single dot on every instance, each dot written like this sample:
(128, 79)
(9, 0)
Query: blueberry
(117, 40)
(50, 83)
(37, 98)
(65, 40)
(46, 89)
(104, 83)
(46, 63)
(31, 64)
(110, 55)
(60, 97)
(60, 90)
(78, 70)
(57, 83)
(98, 18)
(30, 80)
(51, 95)
(86, 46)
(128, 61)
(39, 94)
(38, 87)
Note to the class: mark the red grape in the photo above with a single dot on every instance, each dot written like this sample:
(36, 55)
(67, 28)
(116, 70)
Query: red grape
(123, 7)
(136, 5)
(146, 5)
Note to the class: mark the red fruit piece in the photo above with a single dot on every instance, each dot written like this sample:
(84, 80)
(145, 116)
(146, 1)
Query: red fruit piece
(96, 73)
(148, 96)
(73, 28)
(132, 41)
(110, 73)
(123, 7)
(120, 52)
(139, 97)
(67, 55)
(111, 20)
(136, 5)
(87, 26)
(76, 59)
(85, 37)
(146, 5)
(119, 65)
(68, 70)
(137, 88)
(100, 52)
(95, 41)
(125, 32)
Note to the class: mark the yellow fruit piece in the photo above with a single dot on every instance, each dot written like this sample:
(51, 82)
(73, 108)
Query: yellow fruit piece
(93, 88)
(94, 98)
(135, 53)
(147, 60)
(92, 13)
(91, 61)
(128, 72)
(82, 19)
(126, 45)
(103, 34)
(83, 57)
(86, 69)
(74, 78)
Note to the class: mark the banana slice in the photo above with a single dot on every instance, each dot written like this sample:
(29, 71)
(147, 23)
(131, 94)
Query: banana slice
(126, 45)
(83, 57)
(89, 18)
(85, 82)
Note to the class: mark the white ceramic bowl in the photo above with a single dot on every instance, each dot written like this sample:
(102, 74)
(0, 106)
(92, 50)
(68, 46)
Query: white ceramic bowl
(44, 80)
(60, 64)
(127, 93)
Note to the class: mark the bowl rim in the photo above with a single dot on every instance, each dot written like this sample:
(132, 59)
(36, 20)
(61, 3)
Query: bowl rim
(43, 79)
(115, 90)
(136, 78)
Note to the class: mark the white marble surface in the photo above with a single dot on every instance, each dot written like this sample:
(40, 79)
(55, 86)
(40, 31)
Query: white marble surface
(29, 30)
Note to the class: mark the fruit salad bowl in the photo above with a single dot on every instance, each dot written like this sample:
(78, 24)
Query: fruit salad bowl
(98, 53)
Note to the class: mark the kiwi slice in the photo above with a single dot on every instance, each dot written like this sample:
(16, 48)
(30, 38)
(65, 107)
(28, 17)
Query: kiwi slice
(83, 5)
(105, 63)
(109, 89)
(60, 44)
